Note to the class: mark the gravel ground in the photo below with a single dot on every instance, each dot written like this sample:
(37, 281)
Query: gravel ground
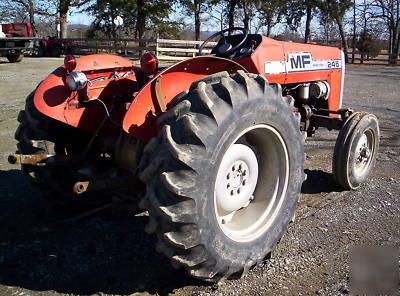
(43, 253)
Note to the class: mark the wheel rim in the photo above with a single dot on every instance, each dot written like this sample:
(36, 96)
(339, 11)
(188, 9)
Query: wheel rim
(365, 150)
(251, 183)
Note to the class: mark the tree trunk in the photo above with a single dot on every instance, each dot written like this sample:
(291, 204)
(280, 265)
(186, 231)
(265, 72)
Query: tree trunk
(394, 44)
(32, 17)
(344, 40)
(197, 20)
(246, 17)
(63, 26)
(140, 23)
(113, 26)
(308, 24)
(63, 14)
(231, 14)
(354, 32)
(269, 28)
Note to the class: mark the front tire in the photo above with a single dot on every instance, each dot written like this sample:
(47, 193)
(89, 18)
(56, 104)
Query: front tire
(15, 57)
(223, 179)
(355, 150)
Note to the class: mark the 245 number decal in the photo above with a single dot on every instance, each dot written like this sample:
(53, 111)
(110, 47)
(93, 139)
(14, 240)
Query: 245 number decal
(334, 64)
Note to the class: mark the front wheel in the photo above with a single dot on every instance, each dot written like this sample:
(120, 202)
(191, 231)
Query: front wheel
(223, 179)
(15, 57)
(355, 150)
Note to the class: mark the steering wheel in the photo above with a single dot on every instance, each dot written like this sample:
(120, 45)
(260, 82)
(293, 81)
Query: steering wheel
(225, 48)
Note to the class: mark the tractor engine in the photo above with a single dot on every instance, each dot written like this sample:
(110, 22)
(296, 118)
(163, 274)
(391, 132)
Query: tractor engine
(309, 98)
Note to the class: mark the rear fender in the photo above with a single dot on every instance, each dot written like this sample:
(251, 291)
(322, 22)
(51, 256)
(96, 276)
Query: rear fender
(54, 99)
(141, 117)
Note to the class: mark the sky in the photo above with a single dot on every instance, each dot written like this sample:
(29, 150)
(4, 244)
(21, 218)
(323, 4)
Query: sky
(77, 17)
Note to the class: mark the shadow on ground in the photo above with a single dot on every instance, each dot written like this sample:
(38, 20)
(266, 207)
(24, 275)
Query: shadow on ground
(108, 252)
(319, 181)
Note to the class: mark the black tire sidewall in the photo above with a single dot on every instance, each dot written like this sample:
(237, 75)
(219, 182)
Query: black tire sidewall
(278, 115)
(15, 58)
(367, 122)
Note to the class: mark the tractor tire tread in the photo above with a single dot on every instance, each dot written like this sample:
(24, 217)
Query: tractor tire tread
(172, 163)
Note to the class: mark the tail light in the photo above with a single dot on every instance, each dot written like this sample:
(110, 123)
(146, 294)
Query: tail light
(70, 62)
(149, 63)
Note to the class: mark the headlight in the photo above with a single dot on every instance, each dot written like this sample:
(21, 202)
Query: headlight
(76, 80)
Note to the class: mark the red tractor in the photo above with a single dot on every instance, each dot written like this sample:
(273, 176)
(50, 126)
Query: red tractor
(213, 146)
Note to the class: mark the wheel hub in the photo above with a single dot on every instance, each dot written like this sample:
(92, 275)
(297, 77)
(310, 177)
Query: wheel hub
(364, 151)
(237, 178)
(251, 183)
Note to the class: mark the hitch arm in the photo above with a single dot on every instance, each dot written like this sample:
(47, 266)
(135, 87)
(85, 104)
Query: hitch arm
(42, 159)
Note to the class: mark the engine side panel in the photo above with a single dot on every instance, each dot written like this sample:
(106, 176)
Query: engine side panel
(289, 63)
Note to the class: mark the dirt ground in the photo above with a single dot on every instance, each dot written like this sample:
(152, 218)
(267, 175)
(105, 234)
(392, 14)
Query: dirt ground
(41, 253)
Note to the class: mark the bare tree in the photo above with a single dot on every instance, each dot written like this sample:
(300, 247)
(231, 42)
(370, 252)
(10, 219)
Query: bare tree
(389, 12)
(335, 10)
(217, 11)
(63, 10)
(26, 10)
(195, 8)
(269, 14)
(295, 11)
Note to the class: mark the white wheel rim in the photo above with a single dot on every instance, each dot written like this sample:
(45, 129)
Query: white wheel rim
(251, 183)
(363, 153)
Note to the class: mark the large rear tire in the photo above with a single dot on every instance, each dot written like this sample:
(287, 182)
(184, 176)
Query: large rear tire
(223, 178)
(39, 134)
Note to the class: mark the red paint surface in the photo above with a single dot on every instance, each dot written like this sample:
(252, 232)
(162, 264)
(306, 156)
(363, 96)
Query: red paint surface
(54, 99)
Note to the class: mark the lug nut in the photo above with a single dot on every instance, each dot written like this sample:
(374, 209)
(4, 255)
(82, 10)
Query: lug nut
(228, 176)
(244, 173)
(238, 191)
(365, 152)
(233, 168)
(244, 182)
(232, 192)
(228, 185)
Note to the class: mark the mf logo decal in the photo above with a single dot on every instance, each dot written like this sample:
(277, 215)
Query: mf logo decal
(300, 62)
(303, 61)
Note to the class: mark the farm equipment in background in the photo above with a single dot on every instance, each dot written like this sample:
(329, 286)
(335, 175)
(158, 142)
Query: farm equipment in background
(15, 40)
(212, 147)
(54, 47)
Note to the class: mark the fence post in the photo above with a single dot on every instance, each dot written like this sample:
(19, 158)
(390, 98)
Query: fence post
(156, 53)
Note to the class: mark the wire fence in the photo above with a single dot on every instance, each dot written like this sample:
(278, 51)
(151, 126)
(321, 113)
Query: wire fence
(168, 50)
(165, 49)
